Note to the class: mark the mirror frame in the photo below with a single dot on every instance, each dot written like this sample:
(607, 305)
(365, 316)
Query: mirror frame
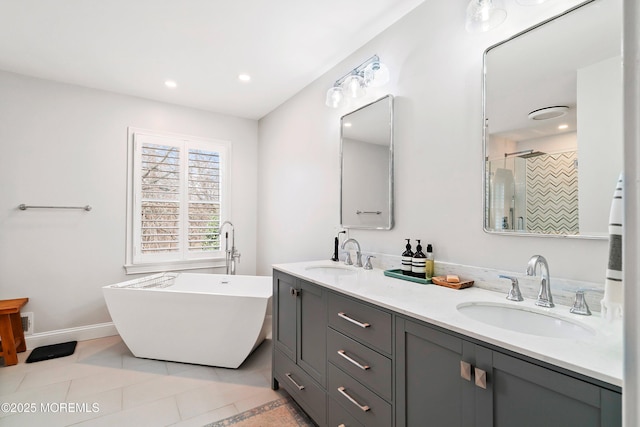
(390, 223)
(485, 136)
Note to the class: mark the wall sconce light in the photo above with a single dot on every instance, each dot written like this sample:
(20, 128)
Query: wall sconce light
(371, 73)
(484, 15)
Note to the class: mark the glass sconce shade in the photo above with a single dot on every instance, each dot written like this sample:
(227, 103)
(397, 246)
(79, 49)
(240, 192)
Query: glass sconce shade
(484, 15)
(376, 74)
(334, 97)
(354, 86)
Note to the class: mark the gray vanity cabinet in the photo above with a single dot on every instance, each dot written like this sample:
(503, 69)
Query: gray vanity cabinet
(300, 342)
(352, 363)
(360, 370)
(446, 380)
(285, 307)
(429, 388)
(548, 398)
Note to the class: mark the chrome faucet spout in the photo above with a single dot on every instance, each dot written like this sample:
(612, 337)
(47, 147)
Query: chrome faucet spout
(545, 299)
(233, 243)
(231, 254)
(358, 262)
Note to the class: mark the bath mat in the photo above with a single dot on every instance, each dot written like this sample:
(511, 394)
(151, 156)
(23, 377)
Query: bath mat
(53, 351)
(282, 413)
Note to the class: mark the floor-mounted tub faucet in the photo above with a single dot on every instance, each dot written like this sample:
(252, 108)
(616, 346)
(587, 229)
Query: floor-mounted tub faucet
(358, 253)
(231, 254)
(544, 296)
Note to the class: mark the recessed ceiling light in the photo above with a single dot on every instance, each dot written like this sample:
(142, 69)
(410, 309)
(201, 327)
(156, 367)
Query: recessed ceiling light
(347, 124)
(562, 127)
(244, 77)
(170, 84)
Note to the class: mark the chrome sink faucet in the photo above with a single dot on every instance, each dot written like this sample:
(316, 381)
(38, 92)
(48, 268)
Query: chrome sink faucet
(231, 254)
(544, 296)
(358, 253)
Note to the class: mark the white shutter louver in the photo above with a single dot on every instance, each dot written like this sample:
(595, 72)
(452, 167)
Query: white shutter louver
(160, 199)
(204, 200)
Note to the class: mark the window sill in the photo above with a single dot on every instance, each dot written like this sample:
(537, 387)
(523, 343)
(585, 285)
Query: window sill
(160, 267)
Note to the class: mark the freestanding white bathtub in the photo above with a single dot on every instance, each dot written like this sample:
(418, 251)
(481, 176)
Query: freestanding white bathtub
(206, 319)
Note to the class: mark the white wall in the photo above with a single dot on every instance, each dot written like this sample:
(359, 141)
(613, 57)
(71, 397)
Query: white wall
(600, 131)
(366, 167)
(553, 144)
(436, 70)
(67, 145)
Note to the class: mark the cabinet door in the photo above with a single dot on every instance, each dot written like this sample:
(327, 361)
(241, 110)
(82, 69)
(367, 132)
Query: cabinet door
(285, 290)
(429, 388)
(527, 395)
(312, 338)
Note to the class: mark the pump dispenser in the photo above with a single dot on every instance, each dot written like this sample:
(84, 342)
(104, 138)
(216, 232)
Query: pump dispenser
(407, 255)
(418, 262)
(428, 270)
(336, 240)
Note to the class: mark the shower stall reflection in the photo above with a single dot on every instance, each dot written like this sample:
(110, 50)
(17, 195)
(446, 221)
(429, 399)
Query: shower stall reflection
(507, 184)
(533, 191)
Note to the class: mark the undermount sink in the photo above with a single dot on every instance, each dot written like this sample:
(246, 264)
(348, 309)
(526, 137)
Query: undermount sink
(336, 270)
(524, 320)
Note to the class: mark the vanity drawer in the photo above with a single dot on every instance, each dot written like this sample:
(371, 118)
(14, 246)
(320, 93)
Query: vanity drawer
(339, 417)
(301, 387)
(362, 322)
(364, 405)
(366, 365)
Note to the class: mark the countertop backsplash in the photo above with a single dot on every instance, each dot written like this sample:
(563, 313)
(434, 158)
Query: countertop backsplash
(562, 290)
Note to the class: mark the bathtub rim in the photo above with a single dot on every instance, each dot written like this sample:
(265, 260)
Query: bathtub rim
(259, 292)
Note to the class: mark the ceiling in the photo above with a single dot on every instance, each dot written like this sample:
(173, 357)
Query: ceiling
(539, 69)
(133, 46)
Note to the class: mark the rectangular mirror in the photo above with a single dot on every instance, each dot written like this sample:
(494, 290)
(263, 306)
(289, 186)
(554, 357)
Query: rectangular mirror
(553, 125)
(366, 173)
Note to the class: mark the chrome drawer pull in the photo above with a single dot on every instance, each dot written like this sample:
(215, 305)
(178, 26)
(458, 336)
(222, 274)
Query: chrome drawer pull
(352, 400)
(288, 375)
(355, 322)
(343, 354)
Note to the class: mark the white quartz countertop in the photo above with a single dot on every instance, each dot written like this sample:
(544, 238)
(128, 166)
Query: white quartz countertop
(599, 356)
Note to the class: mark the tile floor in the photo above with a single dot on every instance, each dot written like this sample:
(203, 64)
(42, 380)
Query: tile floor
(107, 386)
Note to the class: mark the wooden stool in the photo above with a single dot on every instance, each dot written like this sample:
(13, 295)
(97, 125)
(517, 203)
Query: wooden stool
(11, 332)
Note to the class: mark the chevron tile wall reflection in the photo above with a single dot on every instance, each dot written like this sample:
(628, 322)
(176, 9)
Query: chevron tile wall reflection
(552, 194)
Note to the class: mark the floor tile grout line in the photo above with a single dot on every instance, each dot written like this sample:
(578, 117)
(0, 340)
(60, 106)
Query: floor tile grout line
(154, 400)
(55, 382)
(175, 403)
(66, 394)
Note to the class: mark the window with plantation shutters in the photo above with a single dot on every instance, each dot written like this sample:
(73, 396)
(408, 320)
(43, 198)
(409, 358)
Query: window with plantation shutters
(178, 199)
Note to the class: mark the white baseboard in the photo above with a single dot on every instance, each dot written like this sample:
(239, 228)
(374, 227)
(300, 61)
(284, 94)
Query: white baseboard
(81, 333)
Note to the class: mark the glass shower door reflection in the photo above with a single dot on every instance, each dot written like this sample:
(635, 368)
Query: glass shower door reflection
(507, 196)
